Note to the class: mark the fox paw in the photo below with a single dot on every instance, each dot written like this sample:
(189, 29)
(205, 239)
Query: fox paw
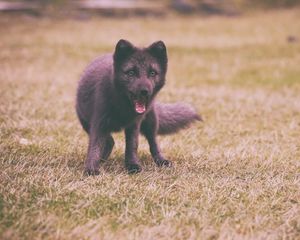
(163, 163)
(91, 172)
(133, 168)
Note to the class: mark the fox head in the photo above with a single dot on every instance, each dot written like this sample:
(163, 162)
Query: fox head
(139, 73)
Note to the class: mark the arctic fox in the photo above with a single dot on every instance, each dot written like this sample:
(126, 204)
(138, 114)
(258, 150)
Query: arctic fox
(117, 91)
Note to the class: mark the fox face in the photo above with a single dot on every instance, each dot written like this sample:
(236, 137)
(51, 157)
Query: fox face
(140, 73)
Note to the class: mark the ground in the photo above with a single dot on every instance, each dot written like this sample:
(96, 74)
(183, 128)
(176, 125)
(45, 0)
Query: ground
(235, 176)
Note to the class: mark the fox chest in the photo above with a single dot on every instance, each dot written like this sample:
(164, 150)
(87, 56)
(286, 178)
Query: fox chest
(118, 122)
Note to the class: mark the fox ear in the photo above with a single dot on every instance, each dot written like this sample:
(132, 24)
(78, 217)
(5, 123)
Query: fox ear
(123, 49)
(158, 49)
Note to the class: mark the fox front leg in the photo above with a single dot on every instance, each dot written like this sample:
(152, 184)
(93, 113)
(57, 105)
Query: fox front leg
(131, 160)
(99, 149)
(149, 129)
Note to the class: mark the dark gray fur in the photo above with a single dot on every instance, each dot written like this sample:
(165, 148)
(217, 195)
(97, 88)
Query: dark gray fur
(105, 100)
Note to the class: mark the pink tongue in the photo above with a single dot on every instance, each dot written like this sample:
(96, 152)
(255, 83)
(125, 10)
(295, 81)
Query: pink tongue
(140, 107)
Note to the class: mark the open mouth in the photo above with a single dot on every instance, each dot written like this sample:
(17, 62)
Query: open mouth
(139, 101)
(140, 105)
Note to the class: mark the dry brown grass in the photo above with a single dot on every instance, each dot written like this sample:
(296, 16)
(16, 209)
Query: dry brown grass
(236, 176)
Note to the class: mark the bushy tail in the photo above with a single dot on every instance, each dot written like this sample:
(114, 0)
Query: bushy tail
(175, 116)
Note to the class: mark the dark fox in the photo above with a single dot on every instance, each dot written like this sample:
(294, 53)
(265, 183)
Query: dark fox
(116, 92)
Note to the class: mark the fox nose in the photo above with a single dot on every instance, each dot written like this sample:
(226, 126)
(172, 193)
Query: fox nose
(144, 93)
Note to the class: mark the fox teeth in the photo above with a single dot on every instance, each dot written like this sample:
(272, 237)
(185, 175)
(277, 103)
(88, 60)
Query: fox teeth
(140, 107)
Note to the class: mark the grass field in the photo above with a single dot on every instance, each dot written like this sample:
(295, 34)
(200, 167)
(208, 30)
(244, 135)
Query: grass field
(236, 175)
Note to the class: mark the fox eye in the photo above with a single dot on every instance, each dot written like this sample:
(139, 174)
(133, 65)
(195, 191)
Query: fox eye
(130, 73)
(152, 73)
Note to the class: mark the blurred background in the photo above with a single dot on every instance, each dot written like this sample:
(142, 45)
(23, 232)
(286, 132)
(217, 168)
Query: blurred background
(141, 7)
